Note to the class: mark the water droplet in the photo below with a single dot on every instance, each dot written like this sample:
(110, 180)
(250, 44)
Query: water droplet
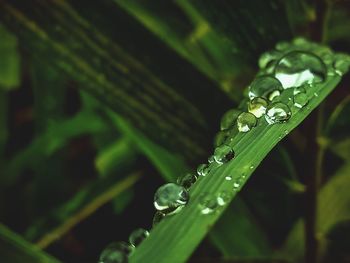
(187, 180)
(207, 204)
(137, 236)
(277, 112)
(251, 167)
(341, 64)
(264, 85)
(229, 119)
(221, 137)
(222, 198)
(158, 216)
(315, 94)
(228, 178)
(211, 159)
(203, 169)
(246, 121)
(299, 67)
(300, 89)
(116, 252)
(170, 198)
(273, 94)
(257, 106)
(223, 154)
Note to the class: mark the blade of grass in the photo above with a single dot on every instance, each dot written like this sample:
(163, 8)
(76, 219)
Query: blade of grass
(14, 249)
(176, 237)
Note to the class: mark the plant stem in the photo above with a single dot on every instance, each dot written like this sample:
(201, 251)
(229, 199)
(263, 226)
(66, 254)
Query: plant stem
(319, 33)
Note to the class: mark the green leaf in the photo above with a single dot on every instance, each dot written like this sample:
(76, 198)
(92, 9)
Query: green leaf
(176, 237)
(333, 208)
(14, 249)
(9, 60)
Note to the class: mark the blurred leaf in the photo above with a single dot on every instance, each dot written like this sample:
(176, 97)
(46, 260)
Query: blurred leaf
(333, 207)
(171, 166)
(338, 123)
(9, 60)
(14, 249)
(237, 234)
(341, 148)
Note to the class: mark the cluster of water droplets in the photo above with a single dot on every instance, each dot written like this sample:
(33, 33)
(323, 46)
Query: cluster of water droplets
(295, 66)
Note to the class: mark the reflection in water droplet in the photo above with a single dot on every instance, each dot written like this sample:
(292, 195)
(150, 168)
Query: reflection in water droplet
(299, 67)
(277, 112)
(273, 94)
(229, 119)
(170, 198)
(223, 154)
(211, 159)
(203, 169)
(315, 94)
(268, 58)
(223, 198)
(300, 89)
(264, 85)
(116, 252)
(252, 167)
(257, 106)
(187, 180)
(228, 178)
(137, 236)
(246, 121)
(207, 204)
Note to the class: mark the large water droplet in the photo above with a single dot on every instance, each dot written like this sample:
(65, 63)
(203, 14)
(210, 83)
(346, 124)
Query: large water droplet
(203, 169)
(277, 112)
(187, 180)
(299, 67)
(170, 198)
(257, 106)
(137, 236)
(300, 100)
(246, 121)
(207, 204)
(264, 85)
(116, 252)
(229, 119)
(223, 154)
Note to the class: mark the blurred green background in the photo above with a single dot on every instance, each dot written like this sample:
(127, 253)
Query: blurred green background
(103, 101)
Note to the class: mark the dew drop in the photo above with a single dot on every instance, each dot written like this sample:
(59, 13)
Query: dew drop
(229, 119)
(277, 112)
(187, 180)
(268, 57)
(264, 85)
(300, 89)
(116, 252)
(251, 167)
(341, 64)
(223, 198)
(257, 106)
(273, 94)
(170, 198)
(315, 94)
(299, 67)
(221, 137)
(211, 159)
(207, 204)
(137, 236)
(246, 121)
(228, 178)
(203, 169)
(223, 154)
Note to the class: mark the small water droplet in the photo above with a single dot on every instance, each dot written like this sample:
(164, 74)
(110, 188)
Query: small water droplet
(223, 154)
(137, 236)
(277, 112)
(228, 178)
(170, 198)
(257, 106)
(116, 252)
(341, 64)
(203, 169)
(246, 121)
(264, 85)
(223, 198)
(158, 216)
(251, 167)
(315, 94)
(300, 100)
(229, 119)
(211, 159)
(207, 204)
(187, 180)
(299, 67)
